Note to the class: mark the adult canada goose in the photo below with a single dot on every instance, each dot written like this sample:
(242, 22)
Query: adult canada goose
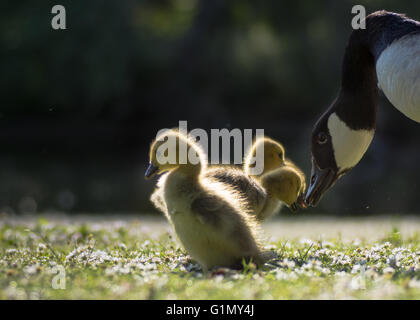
(207, 218)
(385, 54)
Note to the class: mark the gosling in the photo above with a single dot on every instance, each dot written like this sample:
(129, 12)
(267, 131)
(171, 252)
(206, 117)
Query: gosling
(208, 218)
(286, 184)
(249, 185)
(265, 192)
(274, 156)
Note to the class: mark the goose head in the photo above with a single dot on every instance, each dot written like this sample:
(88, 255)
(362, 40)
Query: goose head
(171, 150)
(375, 55)
(336, 148)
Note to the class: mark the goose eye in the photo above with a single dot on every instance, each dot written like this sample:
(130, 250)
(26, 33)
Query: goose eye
(322, 138)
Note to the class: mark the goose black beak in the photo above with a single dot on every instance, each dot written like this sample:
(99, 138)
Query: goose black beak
(321, 181)
(150, 171)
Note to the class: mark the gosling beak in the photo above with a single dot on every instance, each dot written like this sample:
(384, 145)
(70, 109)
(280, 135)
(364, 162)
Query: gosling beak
(321, 181)
(300, 202)
(150, 171)
(293, 207)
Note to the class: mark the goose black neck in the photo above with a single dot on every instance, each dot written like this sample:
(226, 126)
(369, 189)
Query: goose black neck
(357, 101)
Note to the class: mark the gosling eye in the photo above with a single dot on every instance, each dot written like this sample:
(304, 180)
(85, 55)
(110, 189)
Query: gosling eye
(322, 138)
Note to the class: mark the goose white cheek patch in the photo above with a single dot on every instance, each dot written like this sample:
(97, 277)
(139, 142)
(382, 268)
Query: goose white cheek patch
(349, 145)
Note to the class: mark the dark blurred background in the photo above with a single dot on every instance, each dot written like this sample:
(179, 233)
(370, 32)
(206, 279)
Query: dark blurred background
(80, 106)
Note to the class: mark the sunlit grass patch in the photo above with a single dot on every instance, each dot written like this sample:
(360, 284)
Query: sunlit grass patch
(131, 260)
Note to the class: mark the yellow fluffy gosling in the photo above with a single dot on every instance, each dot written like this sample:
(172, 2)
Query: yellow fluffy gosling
(207, 217)
(249, 185)
(281, 185)
(274, 156)
(286, 184)
(264, 195)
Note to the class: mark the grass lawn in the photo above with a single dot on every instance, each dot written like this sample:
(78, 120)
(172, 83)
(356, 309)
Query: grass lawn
(138, 258)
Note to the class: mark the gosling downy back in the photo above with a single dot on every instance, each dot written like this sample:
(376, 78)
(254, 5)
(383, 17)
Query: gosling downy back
(246, 188)
(246, 181)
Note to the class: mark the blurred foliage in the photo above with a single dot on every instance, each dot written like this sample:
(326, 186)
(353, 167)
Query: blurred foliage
(80, 106)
